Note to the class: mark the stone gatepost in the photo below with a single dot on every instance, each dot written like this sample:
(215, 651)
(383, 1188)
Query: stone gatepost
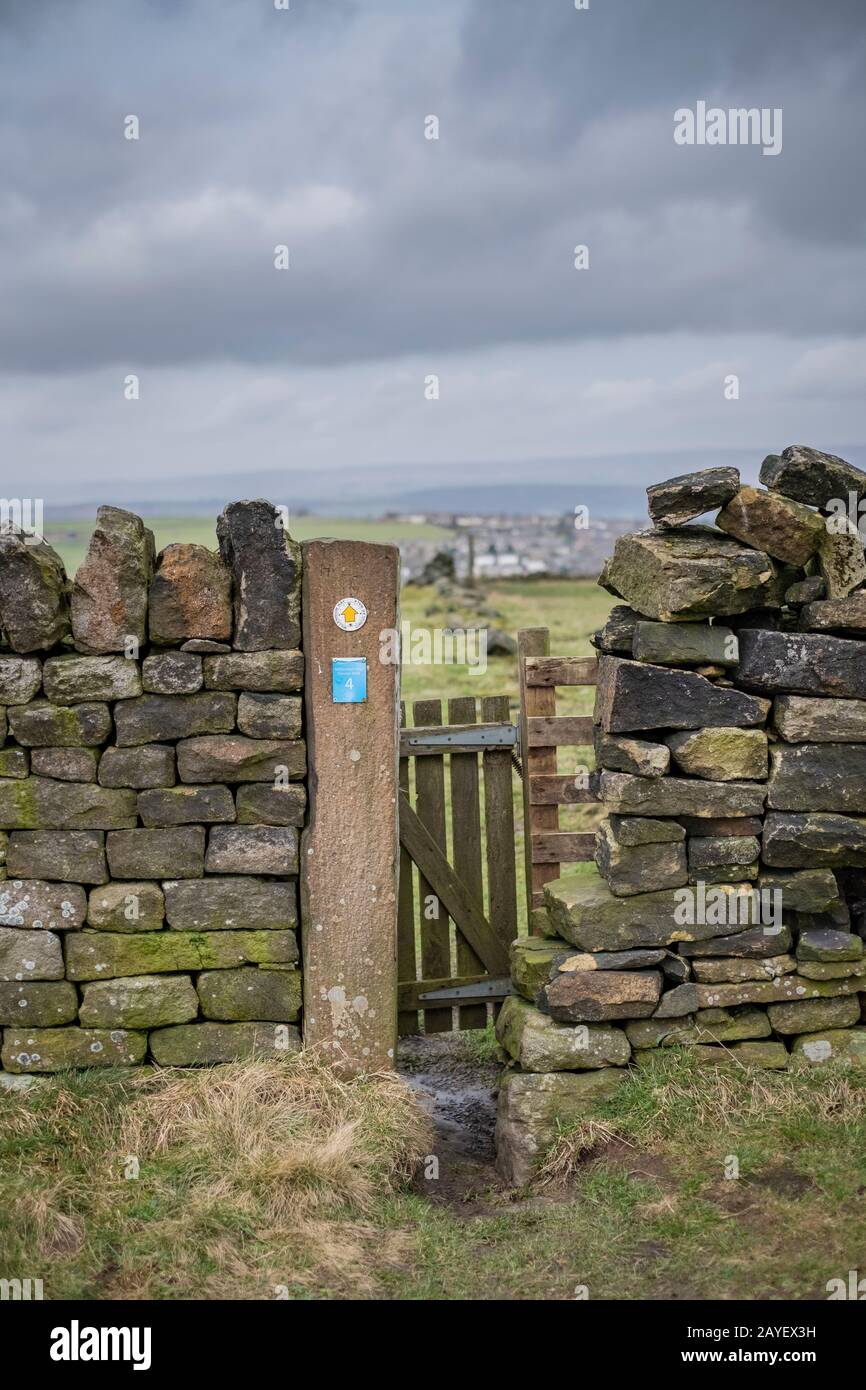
(350, 849)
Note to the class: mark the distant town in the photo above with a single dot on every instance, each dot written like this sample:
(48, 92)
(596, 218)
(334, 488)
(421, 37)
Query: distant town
(508, 546)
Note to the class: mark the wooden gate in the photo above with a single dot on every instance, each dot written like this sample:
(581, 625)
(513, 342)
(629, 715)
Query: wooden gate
(457, 911)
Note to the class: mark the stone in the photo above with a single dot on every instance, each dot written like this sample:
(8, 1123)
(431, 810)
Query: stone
(590, 996)
(14, 762)
(533, 962)
(195, 1044)
(146, 765)
(676, 1002)
(782, 988)
(769, 1056)
(670, 796)
(126, 907)
(813, 1015)
(178, 852)
(696, 572)
(818, 777)
(676, 968)
(44, 725)
(617, 634)
(787, 530)
(685, 644)
(185, 806)
(190, 597)
(142, 1001)
(809, 476)
(721, 825)
(804, 890)
(56, 1049)
(252, 849)
(828, 945)
(224, 904)
(58, 855)
(721, 754)
(249, 994)
(540, 1044)
(30, 955)
(265, 564)
(172, 673)
(802, 663)
(703, 1028)
(37, 1005)
(20, 679)
(586, 914)
(757, 943)
(633, 755)
(99, 955)
(263, 672)
(34, 593)
(35, 904)
(713, 852)
(835, 613)
(631, 696)
(733, 970)
(259, 804)
(639, 868)
(644, 830)
(534, 1106)
(806, 591)
(65, 764)
(832, 1044)
(566, 962)
(38, 802)
(109, 592)
(691, 494)
(72, 679)
(725, 873)
(155, 718)
(818, 838)
(831, 970)
(204, 646)
(841, 559)
(240, 759)
(270, 716)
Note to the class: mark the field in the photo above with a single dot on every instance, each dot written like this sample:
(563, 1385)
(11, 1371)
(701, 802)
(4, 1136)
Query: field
(269, 1181)
(282, 1180)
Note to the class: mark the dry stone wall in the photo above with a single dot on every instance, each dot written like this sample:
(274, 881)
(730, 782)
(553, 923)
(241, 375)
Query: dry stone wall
(152, 790)
(728, 909)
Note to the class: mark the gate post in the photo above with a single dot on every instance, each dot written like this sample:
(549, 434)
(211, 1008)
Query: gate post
(350, 848)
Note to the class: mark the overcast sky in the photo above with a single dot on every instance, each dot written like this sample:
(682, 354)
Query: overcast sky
(411, 257)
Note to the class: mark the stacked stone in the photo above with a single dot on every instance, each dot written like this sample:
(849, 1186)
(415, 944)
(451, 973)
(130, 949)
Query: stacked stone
(151, 791)
(728, 909)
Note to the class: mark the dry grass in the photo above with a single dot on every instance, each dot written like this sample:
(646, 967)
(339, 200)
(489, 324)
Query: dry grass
(253, 1178)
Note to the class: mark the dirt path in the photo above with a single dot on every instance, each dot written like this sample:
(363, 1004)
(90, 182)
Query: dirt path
(459, 1092)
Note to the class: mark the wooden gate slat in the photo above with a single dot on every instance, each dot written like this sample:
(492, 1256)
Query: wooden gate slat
(452, 893)
(466, 842)
(563, 847)
(563, 789)
(537, 702)
(499, 825)
(430, 807)
(407, 961)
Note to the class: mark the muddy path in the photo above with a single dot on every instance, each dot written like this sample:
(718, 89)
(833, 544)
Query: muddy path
(459, 1092)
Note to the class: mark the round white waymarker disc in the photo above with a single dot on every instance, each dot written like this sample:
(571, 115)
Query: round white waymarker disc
(350, 614)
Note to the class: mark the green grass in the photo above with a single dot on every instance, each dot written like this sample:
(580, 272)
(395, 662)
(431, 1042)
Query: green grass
(261, 1176)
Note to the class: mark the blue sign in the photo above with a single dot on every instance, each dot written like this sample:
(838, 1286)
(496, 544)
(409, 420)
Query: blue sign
(348, 680)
